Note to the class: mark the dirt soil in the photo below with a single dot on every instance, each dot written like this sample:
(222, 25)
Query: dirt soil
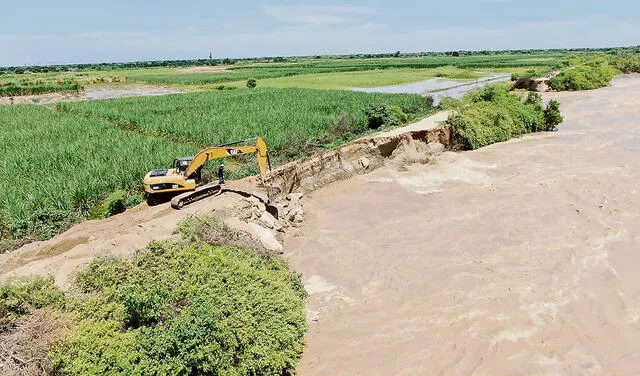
(121, 235)
(519, 258)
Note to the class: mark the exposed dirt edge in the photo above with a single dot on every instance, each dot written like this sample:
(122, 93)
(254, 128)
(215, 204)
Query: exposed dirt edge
(355, 158)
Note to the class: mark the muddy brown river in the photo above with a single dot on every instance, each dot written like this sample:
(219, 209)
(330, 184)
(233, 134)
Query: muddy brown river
(522, 258)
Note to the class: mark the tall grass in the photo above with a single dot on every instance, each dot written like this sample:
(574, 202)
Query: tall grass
(281, 116)
(15, 90)
(55, 166)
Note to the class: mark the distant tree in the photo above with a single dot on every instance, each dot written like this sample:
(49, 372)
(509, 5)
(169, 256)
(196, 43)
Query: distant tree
(396, 54)
(210, 56)
(18, 71)
(455, 53)
(251, 83)
(227, 61)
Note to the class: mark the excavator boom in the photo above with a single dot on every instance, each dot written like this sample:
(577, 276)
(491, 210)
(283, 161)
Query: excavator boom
(228, 150)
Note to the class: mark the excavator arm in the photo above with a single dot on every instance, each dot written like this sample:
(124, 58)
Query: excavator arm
(230, 150)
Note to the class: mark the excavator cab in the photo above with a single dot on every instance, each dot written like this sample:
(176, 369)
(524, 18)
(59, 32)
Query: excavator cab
(181, 164)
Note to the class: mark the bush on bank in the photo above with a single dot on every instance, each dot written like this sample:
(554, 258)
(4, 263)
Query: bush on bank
(181, 307)
(493, 114)
(587, 77)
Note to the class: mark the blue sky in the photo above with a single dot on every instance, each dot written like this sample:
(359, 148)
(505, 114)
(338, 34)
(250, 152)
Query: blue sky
(65, 31)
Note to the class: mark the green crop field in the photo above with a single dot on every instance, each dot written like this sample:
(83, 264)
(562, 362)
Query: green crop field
(55, 162)
(369, 78)
(208, 118)
(60, 163)
(321, 66)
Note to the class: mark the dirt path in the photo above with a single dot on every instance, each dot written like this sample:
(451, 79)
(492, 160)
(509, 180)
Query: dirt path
(519, 258)
(121, 235)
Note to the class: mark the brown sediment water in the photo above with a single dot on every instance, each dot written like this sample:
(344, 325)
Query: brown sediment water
(518, 258)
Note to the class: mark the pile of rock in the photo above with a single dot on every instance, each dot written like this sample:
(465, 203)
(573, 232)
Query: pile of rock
(414, 151)
(269, 222)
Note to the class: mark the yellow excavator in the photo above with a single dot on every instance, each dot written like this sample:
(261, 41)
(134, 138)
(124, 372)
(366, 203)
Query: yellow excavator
(185, 176)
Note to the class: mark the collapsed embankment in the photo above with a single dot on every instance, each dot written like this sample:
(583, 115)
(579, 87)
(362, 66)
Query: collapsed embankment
(359, 157)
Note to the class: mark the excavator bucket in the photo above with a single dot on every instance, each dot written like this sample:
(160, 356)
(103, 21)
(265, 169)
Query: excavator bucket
(272, 192)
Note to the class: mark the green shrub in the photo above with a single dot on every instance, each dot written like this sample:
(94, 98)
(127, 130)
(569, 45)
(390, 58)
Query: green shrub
(251, 83)
(186, 308)
(383, 115)
(133, 200)
(104, 272)
(493, 114)
(115, 203)
(582, 78)
(396, 116)
(19, 296)
(429, 101)
(628, 64)
(552, 115)
(42, 224)
(376, 116)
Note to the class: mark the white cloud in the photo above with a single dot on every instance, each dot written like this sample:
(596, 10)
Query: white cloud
(320, 15)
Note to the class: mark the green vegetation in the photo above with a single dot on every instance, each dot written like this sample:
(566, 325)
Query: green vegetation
(10, 90)
(369, 78)
(184, 308)
(457, 67)
(583, 78)
(56, 168)
(289, 120)
(251, 83)
(628, 63)
(181, 307)
(21, 295)
(536, 56)
(493, 114)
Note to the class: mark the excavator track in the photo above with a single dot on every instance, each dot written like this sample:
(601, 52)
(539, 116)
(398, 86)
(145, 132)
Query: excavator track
(187, 198)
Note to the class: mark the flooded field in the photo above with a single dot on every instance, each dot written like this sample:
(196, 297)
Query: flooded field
(439, 88)
(92, 93)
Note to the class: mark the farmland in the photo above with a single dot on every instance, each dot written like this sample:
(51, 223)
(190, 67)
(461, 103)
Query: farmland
(112, 144)
(56, 167)
(280, 116)
(308, 67)
(411, 69)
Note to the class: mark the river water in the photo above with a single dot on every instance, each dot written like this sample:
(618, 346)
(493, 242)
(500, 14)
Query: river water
(520, 258)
